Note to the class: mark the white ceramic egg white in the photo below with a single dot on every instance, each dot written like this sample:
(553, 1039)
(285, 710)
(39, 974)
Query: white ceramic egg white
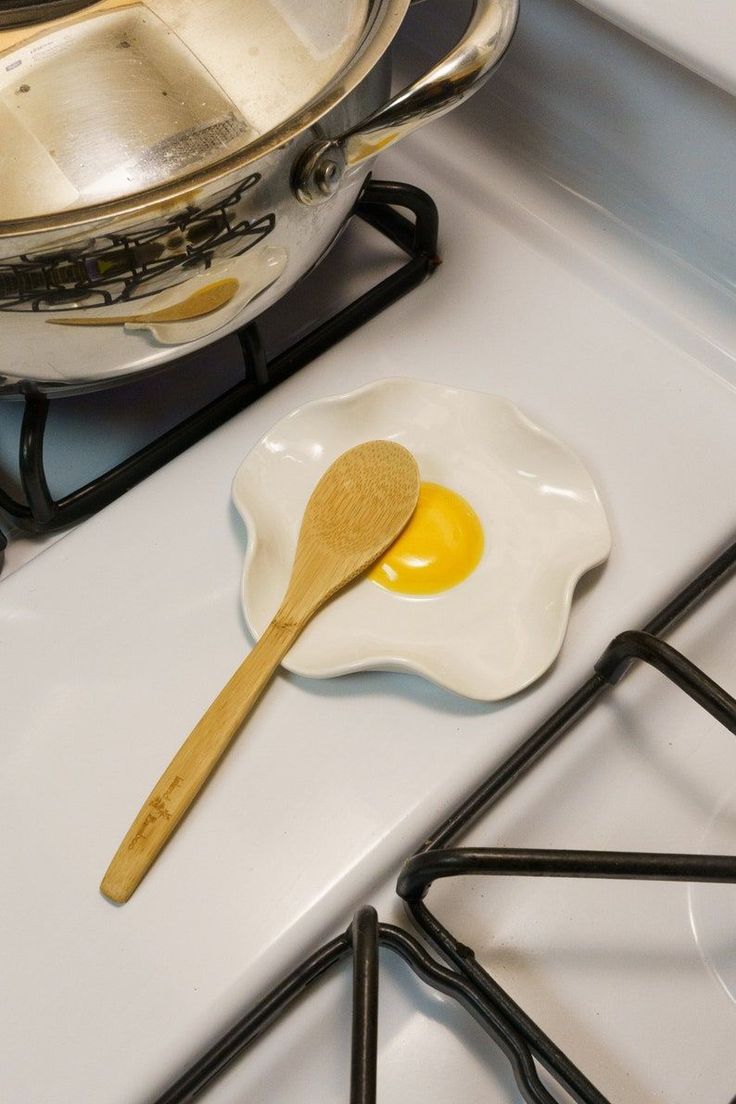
(489, 636)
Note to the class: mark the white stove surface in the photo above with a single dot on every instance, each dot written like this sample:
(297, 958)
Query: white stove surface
(704, 40)
(114, 640)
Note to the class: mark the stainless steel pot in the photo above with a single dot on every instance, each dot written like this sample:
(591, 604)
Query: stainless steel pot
(150, 150)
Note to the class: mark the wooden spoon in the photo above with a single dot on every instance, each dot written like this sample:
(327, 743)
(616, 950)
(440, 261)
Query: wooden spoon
(355, 512)
(201, 302)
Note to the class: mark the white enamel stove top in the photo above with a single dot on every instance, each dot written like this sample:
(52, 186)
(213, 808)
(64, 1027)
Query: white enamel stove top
(114, 640)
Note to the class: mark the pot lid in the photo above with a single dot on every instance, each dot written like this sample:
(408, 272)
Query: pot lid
(122, 97)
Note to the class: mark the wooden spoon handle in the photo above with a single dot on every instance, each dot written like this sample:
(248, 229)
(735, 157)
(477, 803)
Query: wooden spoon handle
(194, 762)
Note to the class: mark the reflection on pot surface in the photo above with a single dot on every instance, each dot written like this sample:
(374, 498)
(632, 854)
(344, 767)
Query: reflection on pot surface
(141, 261)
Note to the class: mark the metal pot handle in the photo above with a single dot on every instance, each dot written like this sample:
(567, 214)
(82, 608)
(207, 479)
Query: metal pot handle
(322, 166)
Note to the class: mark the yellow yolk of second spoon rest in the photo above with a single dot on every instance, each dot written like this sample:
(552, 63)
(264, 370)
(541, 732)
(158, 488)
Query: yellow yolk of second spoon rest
(441, 545)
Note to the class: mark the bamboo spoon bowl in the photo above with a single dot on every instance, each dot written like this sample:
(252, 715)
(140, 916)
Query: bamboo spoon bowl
(203, 301)
(356, 511)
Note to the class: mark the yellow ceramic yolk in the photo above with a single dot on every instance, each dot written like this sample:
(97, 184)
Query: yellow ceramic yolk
(439, 548)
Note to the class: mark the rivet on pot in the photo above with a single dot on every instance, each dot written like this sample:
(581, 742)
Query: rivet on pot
(318, 173)
(327, 177)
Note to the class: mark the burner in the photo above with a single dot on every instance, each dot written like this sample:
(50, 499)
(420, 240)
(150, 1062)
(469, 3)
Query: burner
(19, 13)
(263, 369)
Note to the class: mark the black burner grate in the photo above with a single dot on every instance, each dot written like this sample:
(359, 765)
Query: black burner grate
(434, 859)
(520, 1038)
(416, 237)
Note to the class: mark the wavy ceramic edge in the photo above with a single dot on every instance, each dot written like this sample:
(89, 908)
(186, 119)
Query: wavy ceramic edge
(404, 664)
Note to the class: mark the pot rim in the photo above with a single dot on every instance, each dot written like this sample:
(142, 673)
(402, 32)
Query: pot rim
(382, 24)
